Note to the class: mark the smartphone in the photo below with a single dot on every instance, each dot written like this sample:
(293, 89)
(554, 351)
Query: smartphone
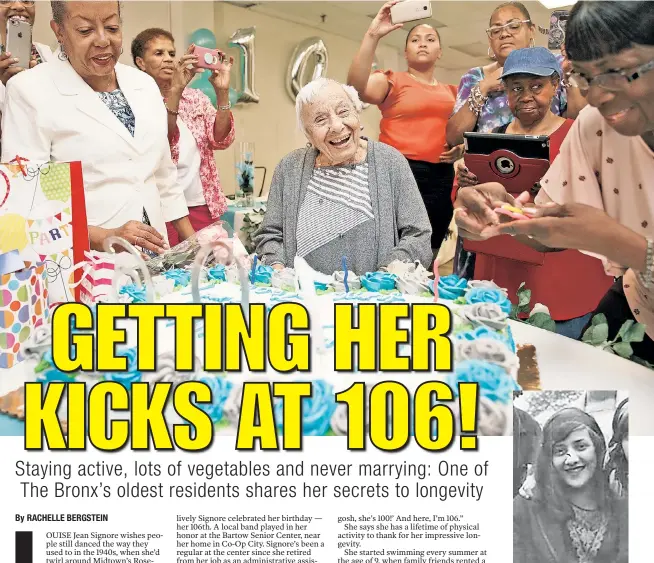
(409, 11)
(556, 34)
(19, 41)
(208, 58)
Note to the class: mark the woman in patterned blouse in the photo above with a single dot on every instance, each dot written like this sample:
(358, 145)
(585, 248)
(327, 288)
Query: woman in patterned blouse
(573, 515)
(195, 127)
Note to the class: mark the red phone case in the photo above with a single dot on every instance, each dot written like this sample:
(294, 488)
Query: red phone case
(522, 175)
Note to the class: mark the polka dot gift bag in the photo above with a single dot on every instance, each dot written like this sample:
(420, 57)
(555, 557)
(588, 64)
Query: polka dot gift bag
(43, 219)
(23, 308)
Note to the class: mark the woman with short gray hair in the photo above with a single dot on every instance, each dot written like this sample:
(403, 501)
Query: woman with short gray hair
(343, 195)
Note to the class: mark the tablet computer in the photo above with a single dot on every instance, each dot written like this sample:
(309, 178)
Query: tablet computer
(518, 162)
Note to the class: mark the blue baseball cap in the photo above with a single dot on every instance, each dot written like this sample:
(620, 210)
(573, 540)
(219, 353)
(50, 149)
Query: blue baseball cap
(537, 61)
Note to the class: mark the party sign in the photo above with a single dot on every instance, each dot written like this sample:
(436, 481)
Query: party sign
(43, 217)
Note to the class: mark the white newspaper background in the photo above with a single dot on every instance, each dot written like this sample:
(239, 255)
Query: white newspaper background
(152, 512)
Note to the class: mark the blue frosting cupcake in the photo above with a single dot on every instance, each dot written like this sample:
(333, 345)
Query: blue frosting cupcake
(262, 275)
(181, 277)
(451, 287)
(378, 281)
(217, 273)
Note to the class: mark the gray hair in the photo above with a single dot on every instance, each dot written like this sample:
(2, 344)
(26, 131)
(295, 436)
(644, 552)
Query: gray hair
(309, 92)
(59, 10)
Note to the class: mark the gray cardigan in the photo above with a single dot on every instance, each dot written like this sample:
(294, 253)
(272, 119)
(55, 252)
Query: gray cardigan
(402, 230)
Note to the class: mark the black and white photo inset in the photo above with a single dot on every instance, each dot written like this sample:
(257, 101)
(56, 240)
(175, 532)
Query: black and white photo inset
(570, 477)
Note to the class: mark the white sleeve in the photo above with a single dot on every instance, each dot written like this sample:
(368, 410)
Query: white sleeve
(24, 132)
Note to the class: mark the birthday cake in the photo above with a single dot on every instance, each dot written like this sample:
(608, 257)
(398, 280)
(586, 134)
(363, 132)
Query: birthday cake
(483, 345)
(212, 268)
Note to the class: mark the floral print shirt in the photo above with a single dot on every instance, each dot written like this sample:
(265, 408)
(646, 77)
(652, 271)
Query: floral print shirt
(199, 115)
(119, 106)
(496, 112)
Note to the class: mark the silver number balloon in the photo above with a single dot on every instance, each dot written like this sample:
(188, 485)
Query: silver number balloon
(305, 50)
(129, 270)
(244, 40)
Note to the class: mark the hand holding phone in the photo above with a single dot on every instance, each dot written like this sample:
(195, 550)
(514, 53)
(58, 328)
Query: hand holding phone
(19, 41)
(210, 59)
(556, 34)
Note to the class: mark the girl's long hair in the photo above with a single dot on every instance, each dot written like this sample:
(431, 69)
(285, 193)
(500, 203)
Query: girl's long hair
(549, 487)
(617, 465)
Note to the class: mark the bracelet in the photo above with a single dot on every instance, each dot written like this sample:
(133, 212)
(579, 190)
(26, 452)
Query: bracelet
(225, 108)
(648, 276)
(170, 111)
(476, 100)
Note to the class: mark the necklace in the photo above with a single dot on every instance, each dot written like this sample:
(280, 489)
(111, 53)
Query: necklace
(433, 82)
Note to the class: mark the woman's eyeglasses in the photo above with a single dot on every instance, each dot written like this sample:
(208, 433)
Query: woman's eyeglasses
(512, 27)
(613, 81)
(10, 2)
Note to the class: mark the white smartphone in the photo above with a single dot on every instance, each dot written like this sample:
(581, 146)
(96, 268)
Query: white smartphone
(19, 41)
(409, 11)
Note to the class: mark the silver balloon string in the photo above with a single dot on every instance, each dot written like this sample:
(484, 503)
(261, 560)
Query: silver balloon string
(131, 271)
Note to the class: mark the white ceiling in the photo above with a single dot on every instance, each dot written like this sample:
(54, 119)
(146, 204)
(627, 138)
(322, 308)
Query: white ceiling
(461, 24)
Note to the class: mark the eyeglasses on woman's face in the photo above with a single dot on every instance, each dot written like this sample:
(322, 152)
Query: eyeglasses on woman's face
(511, 27)
(613, 80)
(10, 2)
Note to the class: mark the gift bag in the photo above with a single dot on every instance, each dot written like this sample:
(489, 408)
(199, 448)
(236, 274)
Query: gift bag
(23, 308)
(96, 280)
(43, 217)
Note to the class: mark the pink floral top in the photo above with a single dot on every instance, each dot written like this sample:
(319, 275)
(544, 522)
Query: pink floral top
(199, 115)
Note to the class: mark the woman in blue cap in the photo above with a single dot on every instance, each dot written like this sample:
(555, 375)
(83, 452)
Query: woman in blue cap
(531, 80)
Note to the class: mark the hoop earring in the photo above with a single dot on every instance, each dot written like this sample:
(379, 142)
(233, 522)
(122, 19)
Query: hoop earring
(309, 145)
(491, 55)
(121, 50)
(532, 43)
(62, 56)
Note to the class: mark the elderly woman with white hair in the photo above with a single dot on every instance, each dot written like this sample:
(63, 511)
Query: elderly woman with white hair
(343, 195)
